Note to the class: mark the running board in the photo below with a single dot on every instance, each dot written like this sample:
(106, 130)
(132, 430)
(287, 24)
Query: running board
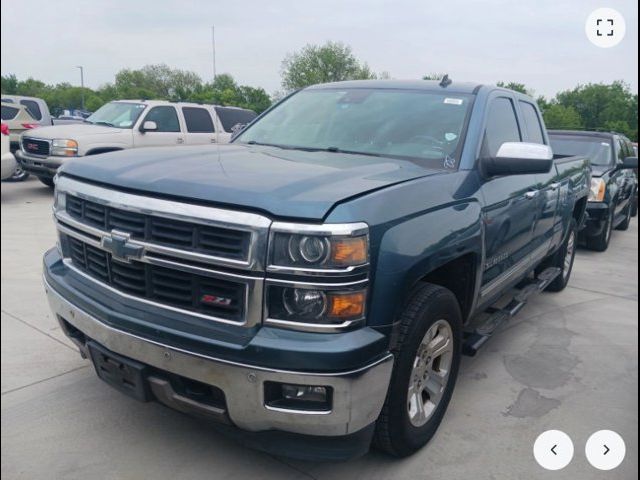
(474, 340)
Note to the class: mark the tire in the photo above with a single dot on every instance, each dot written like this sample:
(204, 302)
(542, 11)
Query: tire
(18, 176)
(563, 259)
(600, 243)
(47, 181)
(430, 309)
(624, 226)
(634, 206)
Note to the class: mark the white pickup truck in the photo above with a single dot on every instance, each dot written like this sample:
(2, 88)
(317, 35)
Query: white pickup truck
(123, 124)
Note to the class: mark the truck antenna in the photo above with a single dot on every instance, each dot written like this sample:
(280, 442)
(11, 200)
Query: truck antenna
(446, 81)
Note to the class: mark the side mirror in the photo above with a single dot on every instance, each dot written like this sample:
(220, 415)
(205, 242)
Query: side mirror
(629, 163)
(149, 126)
(518, 158)
(236, 129)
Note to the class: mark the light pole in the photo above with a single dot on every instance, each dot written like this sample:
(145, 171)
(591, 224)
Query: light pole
(213, 44)
(81, 83)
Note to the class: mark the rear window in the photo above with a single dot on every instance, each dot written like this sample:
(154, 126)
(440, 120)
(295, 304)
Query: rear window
(230, 117)
(198, 120)
(9, 113)
(7, 100)
(598, 150)
(33, 108)
(532, 123)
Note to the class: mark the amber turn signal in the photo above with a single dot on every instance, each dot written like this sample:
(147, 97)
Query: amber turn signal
(349, 251)
(347, 305)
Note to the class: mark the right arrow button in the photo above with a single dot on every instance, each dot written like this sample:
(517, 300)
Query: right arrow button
(605, 450)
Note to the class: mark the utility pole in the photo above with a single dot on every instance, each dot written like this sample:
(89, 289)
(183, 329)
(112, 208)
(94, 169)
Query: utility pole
(81, 83)
(213, 44)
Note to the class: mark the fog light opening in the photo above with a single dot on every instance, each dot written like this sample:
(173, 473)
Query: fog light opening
(310, 398)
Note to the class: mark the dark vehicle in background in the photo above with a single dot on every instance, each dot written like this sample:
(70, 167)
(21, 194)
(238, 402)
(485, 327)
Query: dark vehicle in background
(235, 119)
(313, 285)
(612, 197)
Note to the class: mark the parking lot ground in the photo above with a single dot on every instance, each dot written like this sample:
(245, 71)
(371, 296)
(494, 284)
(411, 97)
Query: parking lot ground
(569, 361)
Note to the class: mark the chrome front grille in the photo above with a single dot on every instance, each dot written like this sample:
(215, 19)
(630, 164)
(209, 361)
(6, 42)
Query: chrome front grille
(206, 239)
(202, 261)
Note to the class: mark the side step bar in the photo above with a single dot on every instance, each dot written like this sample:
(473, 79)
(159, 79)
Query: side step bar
(476, 339)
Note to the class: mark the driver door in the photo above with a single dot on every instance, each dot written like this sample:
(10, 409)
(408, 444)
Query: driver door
(169, 131)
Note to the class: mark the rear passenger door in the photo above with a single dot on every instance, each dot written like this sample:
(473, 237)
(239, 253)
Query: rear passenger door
(200, 129)
(549, 183)
(168, 133)
(511, 206)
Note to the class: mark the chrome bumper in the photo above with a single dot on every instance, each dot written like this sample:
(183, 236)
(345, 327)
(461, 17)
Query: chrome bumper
(46, 166)
(358, 395)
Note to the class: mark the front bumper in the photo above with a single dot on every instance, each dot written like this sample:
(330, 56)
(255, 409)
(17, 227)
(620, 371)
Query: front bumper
(596, 218)
(358, 395)
(39, 166)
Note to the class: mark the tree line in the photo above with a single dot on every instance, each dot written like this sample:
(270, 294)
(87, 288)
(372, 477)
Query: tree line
(593, 106)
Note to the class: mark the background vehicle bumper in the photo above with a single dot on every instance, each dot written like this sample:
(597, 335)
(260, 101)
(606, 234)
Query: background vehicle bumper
(39, 166)
(358, 395)
(8, 165)
(597, 213)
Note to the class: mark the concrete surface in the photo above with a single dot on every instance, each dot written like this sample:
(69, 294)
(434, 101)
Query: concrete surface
(569, 361)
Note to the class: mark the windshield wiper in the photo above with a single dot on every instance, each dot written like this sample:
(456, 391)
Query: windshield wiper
(103, 123)
(263, 144)
(350, 152)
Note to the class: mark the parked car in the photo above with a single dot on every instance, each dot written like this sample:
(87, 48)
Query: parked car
(314, 284)
(121, 125)
(613, 186)
(8, 160)
(37, 107)
(18, 120)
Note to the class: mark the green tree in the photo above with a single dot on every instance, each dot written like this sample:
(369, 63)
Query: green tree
(561, 117)
(602, 106)
(9, 84)
(518, 87)
(331, 62)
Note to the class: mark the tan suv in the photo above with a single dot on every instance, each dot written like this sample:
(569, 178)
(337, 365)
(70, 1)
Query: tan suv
(124, 124)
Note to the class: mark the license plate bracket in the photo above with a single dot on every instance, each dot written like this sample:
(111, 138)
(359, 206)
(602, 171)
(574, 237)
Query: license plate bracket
(123, 374)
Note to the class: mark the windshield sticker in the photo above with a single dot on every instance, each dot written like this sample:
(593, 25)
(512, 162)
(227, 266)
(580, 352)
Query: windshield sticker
(449, 162)
(453, 101)
(450, 137)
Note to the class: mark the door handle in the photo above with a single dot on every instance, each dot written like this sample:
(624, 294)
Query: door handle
(530, 195)
(555, 186)
(180, 140)
(213, 140)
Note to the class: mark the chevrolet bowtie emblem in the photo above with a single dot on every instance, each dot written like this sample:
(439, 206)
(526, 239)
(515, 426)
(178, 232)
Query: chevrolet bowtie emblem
(118, 244)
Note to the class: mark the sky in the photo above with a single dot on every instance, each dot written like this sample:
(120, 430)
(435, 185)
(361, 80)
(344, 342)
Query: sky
(540, 43)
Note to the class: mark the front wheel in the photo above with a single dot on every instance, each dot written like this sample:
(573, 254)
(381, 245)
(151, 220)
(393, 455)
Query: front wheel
(48, 181)
(624, 226)
(427, 357)
(18, 176)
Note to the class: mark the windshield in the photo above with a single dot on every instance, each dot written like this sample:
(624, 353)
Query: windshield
(117, 114)
(412, 124)
(597, 150)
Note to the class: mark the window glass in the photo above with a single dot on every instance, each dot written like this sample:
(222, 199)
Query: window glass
(418, 125)
(198, 120)
(502, 126)
(230, 117)
(33, 108)
(166, 119)
(597, 149)
(9, 113)
(532, 123)
(7, 100)
(117, 114)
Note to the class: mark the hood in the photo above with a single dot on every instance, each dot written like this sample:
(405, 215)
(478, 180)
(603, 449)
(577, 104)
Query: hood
(600, 170)
(73, 131)
(285, 183)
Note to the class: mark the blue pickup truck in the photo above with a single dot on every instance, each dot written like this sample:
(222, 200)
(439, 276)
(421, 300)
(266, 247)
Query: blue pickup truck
(311, 287)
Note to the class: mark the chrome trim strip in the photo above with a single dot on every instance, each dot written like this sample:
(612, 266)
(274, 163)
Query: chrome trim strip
(297, 412)
(325, 286)
(315, 327)
(344, 229)
(358, 394)
(255, 224)
(523, 265)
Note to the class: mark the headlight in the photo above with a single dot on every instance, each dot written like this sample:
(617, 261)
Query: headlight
(59, 201)
(64, 147)
(321, 249)
(598, 190)
(315, 306)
